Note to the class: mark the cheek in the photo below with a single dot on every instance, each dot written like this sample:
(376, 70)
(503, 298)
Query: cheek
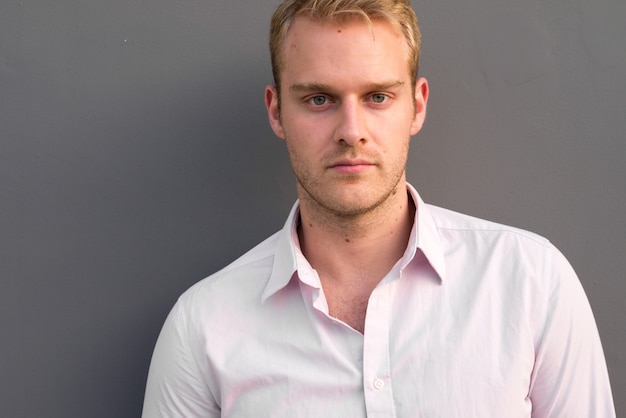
(306, 127)
(299, 148)
(304, 136)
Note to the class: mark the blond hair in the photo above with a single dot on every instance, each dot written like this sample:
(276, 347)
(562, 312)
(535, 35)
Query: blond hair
(398, 13)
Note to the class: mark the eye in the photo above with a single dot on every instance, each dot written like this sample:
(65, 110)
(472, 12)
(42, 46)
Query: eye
(318, 100)
(378, 98)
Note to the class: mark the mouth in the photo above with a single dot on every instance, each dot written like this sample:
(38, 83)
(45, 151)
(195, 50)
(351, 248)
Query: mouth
(351, 166)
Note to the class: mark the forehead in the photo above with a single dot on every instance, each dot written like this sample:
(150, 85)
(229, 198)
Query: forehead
(352, 45)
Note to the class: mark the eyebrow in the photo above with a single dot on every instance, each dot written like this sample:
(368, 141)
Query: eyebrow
(311, 87)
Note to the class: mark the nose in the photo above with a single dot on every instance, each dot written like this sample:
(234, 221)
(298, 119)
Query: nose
(351, 123)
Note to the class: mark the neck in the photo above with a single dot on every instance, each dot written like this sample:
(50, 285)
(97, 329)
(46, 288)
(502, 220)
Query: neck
(356, 249)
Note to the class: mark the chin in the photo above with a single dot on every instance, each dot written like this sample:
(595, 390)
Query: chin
(352, 207)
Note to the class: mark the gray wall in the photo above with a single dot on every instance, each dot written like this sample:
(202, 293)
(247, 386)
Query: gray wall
(135, 159)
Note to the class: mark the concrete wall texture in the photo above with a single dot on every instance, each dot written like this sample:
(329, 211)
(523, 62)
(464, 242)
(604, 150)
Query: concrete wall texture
(136, 159)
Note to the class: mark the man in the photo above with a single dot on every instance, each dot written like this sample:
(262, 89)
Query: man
(370, 302)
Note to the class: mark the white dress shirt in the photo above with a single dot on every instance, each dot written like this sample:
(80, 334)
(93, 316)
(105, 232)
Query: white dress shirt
(475, 320)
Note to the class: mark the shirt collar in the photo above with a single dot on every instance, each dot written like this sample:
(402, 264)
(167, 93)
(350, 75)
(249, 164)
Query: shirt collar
(285, 256)
(424, 236)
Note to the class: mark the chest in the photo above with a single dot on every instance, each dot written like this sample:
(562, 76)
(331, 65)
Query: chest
(348, 305)
(418, 356)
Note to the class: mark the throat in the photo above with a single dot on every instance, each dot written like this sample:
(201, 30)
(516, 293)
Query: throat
(351, 263)
(348, 305)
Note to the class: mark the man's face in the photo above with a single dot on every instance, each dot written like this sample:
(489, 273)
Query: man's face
(347, 111)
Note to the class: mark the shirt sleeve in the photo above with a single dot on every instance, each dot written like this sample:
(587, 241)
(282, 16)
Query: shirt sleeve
(570, 377)
(175, 387)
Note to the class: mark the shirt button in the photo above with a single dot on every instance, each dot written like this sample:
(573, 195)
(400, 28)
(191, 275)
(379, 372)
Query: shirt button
(379, 384)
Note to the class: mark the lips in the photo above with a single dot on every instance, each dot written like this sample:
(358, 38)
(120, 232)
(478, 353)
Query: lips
(351, 166)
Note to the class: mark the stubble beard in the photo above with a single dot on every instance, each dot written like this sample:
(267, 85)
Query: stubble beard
(320, 197)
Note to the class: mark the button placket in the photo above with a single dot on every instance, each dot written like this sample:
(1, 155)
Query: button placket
(376, 364)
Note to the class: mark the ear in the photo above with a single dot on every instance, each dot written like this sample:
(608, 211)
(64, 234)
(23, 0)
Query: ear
(273, 112)
(421, 99)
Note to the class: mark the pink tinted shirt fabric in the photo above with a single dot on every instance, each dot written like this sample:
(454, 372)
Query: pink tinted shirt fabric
(475, 320)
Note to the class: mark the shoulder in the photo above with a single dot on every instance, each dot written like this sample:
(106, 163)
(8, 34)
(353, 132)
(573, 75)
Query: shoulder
(451, 223)
(503, 253)
(244, 278)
